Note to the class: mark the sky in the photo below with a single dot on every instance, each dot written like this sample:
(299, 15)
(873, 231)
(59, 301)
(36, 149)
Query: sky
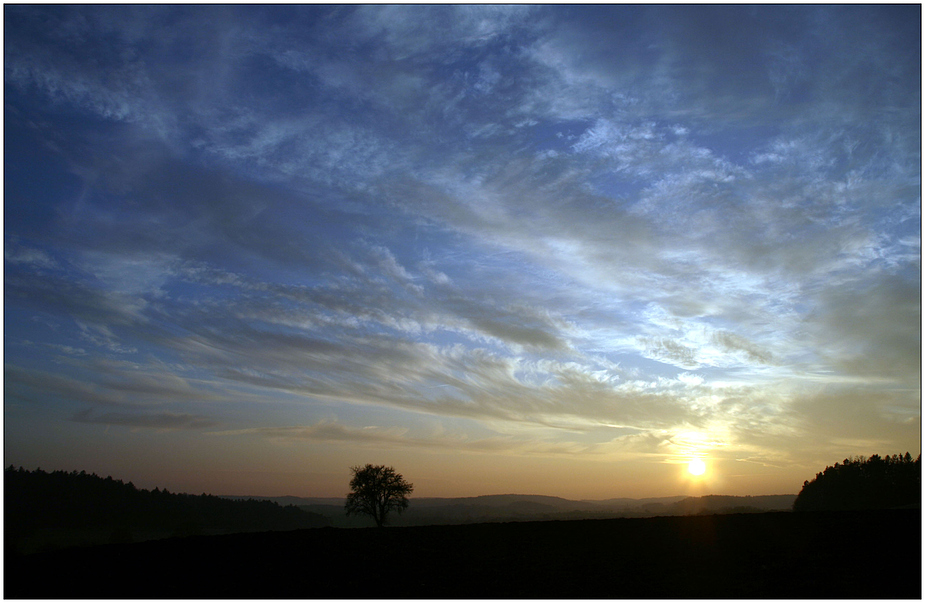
(534, 249)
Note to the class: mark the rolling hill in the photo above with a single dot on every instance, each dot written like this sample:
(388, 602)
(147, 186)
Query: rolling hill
(525, 507)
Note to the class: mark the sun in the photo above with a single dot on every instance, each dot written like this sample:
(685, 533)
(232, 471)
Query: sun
(696, 467)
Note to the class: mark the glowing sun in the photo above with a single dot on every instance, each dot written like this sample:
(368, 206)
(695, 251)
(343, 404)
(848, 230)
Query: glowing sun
(696, 467)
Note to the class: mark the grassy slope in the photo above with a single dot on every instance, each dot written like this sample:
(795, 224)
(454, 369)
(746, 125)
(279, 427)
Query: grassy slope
(764, 555)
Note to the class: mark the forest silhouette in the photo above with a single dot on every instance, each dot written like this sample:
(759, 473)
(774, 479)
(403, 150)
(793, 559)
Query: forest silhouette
(876, 483)
(45, 511)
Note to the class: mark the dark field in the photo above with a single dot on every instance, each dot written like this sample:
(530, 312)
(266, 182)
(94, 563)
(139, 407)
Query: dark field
(760, 555)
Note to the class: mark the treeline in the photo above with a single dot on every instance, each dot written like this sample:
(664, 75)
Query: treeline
(51, 510)
(875, 483)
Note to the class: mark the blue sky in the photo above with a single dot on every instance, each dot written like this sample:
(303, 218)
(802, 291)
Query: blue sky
(540, 249)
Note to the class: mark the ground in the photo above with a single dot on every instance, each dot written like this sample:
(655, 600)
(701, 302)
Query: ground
(759, 555)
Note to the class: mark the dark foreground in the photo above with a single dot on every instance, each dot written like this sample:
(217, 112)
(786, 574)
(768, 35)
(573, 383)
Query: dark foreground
(869, 555)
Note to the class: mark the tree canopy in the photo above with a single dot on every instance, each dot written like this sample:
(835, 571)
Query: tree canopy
(375, 491)
(71, 504)
(875, 483)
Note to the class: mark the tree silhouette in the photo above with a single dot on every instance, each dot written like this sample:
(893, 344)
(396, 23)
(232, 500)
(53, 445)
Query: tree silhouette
(875, 483)
(61, 509)
(375, 491)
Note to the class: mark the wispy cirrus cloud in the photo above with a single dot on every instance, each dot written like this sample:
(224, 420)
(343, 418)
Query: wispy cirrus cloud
(164, 421)
(587, 230)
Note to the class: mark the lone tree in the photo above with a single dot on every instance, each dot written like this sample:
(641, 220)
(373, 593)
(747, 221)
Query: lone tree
(376, 490)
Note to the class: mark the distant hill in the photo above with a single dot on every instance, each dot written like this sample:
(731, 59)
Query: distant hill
(628, 503)
(731, 504)
(530, 507)
(46, 511)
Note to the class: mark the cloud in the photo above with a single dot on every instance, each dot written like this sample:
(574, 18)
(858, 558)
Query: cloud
(163, 421)
(328, 430)
(401, 438)
(527, 220)
(671, 351)
(35, 386)
(387, 369)
(58, 295)
(404, 33)
(848, 420)
(864, 328)
(735, 343)
(35, 259)
(101, 381)
(391, 268)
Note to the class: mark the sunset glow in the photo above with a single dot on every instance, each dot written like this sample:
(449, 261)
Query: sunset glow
(590, 251)
(696, 467)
